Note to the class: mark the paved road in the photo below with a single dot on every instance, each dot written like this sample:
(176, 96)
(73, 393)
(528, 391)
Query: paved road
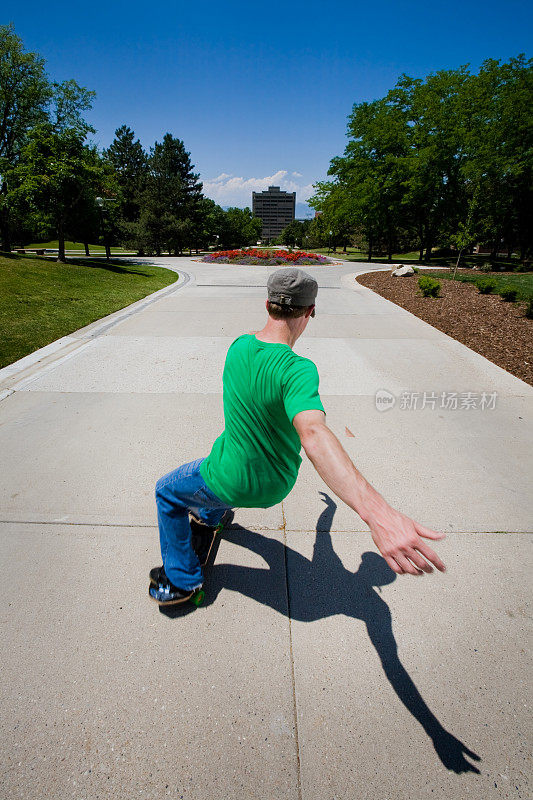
(312, 671)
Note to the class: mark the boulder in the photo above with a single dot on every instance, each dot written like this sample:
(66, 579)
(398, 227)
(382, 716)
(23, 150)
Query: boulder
(401, 271)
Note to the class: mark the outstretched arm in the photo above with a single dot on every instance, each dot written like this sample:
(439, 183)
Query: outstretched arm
(398, 538)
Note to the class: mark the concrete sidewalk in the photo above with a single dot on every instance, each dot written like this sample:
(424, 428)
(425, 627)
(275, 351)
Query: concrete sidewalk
(312, 671)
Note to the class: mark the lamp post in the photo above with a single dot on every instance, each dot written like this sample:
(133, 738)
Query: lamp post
(329, 241)
(100, 202)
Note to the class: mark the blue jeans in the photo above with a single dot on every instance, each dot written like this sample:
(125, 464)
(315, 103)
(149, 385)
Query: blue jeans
(176, 494)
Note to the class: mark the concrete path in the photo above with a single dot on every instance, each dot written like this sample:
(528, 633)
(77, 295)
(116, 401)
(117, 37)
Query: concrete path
(312, 671)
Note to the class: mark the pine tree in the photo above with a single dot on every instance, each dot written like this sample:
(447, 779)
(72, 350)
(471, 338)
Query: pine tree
(130, 164)
(172, 215)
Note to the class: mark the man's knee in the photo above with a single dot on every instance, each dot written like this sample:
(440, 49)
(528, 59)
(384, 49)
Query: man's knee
(161, 489)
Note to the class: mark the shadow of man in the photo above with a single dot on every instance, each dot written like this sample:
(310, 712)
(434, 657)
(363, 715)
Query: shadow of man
(323, 587)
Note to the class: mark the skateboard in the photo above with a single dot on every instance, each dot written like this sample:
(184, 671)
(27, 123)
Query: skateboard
(203, 542)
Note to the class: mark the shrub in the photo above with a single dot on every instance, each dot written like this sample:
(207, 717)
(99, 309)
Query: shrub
(416, 270)
(486, 286)
(429, 287)
(524, 267)
(486, 267)
(509, 295)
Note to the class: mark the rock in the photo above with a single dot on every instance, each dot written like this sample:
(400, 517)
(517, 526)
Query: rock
(401, 271)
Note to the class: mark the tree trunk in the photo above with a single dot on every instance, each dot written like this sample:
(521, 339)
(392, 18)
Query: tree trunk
(370, 243)
(107, 249)
(429, 248)
(389, 248)
(86, 246)
(4, 225)
(458, 261)
(61, 241)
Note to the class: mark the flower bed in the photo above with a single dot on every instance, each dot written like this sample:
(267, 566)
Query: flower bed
(268, 258)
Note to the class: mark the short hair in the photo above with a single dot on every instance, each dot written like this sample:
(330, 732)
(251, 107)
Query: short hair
(278, 311)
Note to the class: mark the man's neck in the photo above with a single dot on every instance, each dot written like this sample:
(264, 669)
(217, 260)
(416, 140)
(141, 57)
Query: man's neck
(277, 331)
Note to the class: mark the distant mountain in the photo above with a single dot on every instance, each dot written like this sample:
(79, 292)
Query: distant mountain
(303, 211)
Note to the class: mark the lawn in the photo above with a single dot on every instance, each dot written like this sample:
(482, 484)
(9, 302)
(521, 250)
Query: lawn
(412, 257)
(54, 245)
(352, 254)
(521, 281)
(42, 300)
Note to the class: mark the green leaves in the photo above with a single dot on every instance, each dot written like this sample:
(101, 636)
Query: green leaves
(444, 160)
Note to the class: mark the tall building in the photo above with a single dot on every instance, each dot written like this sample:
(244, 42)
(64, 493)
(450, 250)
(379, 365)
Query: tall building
(276, 210)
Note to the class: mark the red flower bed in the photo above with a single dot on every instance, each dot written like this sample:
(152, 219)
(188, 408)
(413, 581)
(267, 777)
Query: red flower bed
(265, 257)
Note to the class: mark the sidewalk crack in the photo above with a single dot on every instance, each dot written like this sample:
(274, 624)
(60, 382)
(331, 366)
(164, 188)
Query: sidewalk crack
(291, 655)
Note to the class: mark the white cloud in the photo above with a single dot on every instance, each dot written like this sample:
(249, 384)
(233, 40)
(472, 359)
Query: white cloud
(230, 190)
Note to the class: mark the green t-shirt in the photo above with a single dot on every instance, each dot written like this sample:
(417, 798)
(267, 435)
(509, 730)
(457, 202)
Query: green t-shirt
(254, 463)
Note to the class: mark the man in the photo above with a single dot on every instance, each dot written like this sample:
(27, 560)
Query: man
(272, 408)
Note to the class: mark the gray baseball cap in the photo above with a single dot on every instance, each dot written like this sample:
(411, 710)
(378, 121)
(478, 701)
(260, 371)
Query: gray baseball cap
(292, 287)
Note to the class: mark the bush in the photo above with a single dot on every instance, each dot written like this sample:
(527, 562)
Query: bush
(509, 295)
(486, 267)
(429, 287)
(416, 270)
(529, 308)
(524, 267)
(486, 286)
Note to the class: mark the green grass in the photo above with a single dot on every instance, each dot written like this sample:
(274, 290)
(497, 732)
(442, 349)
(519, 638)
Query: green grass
(521, 281)
(352, 254)
(54, 245)
(43, 300)
(412, 257)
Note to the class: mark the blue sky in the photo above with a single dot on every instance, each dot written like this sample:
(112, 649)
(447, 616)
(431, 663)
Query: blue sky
(259, 91)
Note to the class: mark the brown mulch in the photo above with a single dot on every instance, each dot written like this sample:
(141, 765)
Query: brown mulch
(485, 323)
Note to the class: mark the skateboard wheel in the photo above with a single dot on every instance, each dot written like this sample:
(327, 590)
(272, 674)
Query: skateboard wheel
(198, 598)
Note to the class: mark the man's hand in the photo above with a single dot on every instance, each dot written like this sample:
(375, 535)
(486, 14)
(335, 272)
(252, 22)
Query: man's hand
(399, 540)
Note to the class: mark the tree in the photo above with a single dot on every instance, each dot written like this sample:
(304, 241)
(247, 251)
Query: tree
(499, 148)
(444, 160)
(130, 165)
(68, 102)
(433, 184)
(240, 228)
(296, 232)
(366, 194)
(24, 94)
(211, 223)
(171, 203)
(56, 174)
